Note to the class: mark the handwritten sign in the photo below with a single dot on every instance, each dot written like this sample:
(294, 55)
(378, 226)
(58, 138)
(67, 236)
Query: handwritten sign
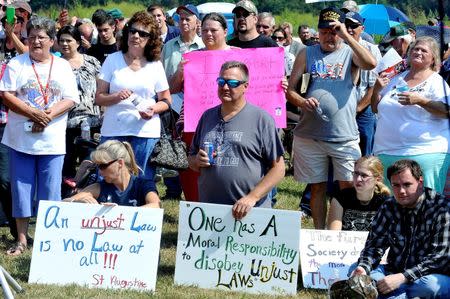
(326, 255)
(96, 246)
(257, 254)
(266, 69)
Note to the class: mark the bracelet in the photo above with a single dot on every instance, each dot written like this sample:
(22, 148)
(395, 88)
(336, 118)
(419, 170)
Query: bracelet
(166, 101)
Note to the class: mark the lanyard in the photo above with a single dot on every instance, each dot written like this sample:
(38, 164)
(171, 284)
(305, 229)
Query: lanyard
(45, 91)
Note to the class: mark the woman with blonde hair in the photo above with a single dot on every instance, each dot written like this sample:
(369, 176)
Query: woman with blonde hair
(354, 208)
(121, 184)
(412, 111)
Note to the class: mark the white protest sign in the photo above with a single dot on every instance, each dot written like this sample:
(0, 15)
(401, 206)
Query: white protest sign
(257, 254)
(96, 246)
(327, 254)
(390, 59)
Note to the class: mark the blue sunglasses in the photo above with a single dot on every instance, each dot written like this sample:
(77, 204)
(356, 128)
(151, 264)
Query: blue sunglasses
(232, 83)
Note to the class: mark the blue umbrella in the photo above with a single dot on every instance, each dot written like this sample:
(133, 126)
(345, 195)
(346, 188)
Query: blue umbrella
(378, 17)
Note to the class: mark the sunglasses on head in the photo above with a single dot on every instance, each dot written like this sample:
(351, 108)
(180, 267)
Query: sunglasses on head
(241, 14)
(141, 33)
(103, 166)
(277, 37)
(352, 25)
(232, 83)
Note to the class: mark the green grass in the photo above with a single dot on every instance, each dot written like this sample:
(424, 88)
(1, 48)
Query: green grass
(288, 198)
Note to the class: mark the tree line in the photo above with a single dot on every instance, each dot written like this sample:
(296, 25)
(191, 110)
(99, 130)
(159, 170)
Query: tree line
(428, 7)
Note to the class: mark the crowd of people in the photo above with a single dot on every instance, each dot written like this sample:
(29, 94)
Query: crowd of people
(361, 129)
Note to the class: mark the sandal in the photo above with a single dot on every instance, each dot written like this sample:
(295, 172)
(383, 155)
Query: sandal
(17, 249)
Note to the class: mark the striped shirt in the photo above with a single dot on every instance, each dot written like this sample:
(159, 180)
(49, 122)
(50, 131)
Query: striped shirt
(418, 238)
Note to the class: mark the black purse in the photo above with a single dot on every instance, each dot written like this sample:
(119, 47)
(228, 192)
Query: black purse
(168, 152)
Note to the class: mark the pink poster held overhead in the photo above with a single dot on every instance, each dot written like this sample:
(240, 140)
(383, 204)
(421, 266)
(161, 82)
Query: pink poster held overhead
(266, 68)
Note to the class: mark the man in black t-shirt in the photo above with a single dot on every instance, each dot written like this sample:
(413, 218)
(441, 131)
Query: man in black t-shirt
(245, 18)
(106, 41)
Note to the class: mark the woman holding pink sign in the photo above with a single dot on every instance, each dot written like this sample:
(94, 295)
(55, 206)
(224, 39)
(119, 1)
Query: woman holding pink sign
(413, 115)
(214, 35)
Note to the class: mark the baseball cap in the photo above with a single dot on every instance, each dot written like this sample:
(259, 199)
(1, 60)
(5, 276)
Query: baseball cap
(328, 15)
(354, 17)
(246, 5)
(349, 6)
(190, 8)
(395, 32)
(116, 13)
(24, 5)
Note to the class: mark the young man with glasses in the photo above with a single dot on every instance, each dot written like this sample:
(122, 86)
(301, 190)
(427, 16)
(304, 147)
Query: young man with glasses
(245, 20)
(247, 160)
(364, 116)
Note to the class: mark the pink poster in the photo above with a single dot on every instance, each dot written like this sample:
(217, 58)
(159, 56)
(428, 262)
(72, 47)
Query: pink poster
(266, 68)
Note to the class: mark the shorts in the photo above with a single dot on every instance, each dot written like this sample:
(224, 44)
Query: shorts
(311, 158)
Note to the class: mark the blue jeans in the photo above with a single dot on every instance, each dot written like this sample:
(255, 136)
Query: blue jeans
(366, 125)
(428, 286)
(142, 148)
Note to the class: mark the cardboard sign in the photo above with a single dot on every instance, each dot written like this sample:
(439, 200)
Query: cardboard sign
(266, 69)
(257, 254)
(326, 255)
(96, 246)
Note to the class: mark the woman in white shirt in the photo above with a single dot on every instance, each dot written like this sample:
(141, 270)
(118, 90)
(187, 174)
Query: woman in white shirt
(413, 118)
(133, 88)
(39, 89)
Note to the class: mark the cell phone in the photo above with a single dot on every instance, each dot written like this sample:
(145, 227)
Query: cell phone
(10, 14)
(28, 126)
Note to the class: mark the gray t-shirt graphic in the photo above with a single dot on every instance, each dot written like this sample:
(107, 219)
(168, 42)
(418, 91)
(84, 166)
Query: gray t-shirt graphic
(245, 145)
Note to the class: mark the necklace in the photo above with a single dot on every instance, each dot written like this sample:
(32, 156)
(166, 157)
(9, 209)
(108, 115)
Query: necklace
(44, 91)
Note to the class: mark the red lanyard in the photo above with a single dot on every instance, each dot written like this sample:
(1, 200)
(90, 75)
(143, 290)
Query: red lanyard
(45, 91)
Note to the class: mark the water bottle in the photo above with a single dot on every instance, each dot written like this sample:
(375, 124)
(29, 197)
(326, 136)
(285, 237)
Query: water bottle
(402, 86)
(334, 278)
(85, 130)
(135, 99)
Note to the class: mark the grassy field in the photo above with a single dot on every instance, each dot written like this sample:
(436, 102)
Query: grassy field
(288, 198)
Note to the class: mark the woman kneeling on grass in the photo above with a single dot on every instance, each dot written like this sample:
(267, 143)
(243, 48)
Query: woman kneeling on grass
(121, 184)
(354, 208)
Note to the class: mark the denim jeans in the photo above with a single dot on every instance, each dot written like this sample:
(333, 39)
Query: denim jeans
(366, 125)
(428, 286)
(142, 148)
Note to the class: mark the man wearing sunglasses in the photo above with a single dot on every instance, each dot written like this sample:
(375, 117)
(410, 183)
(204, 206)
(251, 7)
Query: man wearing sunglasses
(327, 127)
(245, 20)
(364, 116)
(247, 159)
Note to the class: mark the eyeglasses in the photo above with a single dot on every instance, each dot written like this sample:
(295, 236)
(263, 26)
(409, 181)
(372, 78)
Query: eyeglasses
(103, 166)
(38, 38)
(362, 175)
(243, 14)
(277, 37)
(141, 33)
(232, 83)
(352, 25)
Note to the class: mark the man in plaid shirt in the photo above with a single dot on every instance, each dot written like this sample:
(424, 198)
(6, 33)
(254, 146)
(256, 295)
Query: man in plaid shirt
(415, 225)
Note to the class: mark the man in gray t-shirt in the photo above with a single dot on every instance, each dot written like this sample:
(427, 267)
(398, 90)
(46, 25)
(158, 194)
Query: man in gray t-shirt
(327, 128)
(248, 154)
